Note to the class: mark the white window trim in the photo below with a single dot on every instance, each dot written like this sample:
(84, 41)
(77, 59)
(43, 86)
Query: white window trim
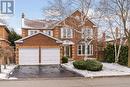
(46, 32)
(66, 34)
(90, 50)
(29, 31)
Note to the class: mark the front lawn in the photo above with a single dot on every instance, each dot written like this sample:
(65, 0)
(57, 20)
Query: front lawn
(109, 69)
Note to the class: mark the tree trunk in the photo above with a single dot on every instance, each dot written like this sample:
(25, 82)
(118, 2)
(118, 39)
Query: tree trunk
(128, 52)
(4, 63)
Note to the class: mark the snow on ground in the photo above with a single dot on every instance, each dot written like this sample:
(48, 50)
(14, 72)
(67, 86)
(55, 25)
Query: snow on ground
(109, 69)
(5, 72)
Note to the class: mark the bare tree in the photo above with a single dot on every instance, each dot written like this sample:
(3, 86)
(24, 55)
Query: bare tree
(58, 9)
(5, 54)
(1, 56)
(85, 6)
(117, 14)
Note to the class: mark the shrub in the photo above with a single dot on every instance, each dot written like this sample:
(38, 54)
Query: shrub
(109, 54)
(64, 59)
(80, 65)
(123, 58)
(91, 65)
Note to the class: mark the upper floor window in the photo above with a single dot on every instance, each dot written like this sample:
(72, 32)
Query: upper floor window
(31, 32)
(66, 33)
(87, 32)
(48, 32)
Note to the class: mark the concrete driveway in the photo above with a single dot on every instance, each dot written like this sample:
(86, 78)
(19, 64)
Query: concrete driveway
(46, 71)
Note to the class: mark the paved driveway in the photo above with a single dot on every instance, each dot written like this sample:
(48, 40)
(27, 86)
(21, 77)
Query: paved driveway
(47, 71)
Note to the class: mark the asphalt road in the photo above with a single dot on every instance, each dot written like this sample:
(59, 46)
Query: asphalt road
(70, 82)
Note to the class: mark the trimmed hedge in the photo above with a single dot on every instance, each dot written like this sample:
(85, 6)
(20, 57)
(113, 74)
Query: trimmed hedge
(91, 65)
(94, 65)
(80, 65)
(64, 59)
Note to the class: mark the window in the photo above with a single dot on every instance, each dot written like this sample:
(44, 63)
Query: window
(66, 33)
(31, 32)
(82, 51)
(87, 32)
(48, 32)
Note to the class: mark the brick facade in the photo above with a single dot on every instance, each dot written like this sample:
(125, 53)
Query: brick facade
(69, 21)
(4, 32)
(36, 41)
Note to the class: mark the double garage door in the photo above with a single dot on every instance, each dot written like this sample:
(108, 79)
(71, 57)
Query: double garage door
(34, 56)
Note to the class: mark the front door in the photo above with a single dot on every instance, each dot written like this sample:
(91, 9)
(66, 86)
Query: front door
(68, 51)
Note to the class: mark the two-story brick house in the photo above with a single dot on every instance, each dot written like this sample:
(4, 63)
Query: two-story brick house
(47, 41)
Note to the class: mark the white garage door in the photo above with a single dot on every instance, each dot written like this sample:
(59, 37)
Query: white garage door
(50, 56)
(28, 56)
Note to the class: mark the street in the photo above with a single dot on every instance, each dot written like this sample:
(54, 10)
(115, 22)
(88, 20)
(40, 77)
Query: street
(69, 82)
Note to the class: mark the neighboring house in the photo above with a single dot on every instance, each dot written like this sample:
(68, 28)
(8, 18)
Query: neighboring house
(111, 41)
(4, 32)
(47, 41)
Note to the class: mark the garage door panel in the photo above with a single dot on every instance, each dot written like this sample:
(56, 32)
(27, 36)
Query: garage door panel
(50, 56)
(28, 56)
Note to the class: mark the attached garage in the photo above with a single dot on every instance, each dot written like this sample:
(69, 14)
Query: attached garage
(38, 49)
(28, 56)
(50, 56)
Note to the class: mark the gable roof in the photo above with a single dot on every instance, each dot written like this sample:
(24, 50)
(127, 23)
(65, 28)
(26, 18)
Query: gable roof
(46, 24)
(38, 24)
(21, 40)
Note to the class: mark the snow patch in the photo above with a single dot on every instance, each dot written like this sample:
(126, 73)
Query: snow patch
(5, 72)
(109, 69)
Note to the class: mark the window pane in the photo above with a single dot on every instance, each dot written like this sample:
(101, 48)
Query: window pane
(68, 33)
(64, 32)
(83, 49)
(79, 49)
(88, 49)
(79, 52)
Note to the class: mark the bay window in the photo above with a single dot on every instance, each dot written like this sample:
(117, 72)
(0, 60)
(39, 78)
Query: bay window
(82, 49)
